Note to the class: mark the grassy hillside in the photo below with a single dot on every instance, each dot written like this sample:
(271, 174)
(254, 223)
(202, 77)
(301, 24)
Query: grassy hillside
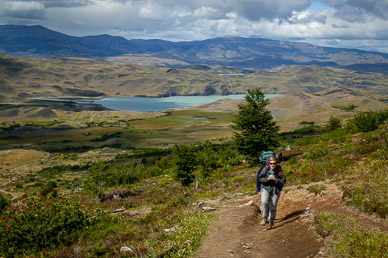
(147, 209)
(23, 78)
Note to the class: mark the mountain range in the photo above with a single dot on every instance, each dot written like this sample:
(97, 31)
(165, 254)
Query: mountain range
(236, 52)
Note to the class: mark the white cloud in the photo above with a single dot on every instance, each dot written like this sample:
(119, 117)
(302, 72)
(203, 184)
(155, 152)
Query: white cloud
(205, 11)
(337, 22)
(151, 12)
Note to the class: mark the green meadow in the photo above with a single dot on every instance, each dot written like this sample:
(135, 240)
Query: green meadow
(177, 127)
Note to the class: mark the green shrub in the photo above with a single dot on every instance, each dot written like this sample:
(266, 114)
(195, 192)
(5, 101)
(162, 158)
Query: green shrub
(382, 115)
(349, 107)
(317, 151)
(3, 202)
(311, 123)
(123, 176)
(37, 223)
(333, 124)
(184, 163)
(366, 121)
(204, 158)
(161, 166)
(229, 156)
(50, 187)
(207, 159)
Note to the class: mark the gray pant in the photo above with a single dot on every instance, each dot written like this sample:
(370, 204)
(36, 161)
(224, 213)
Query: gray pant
(269, 204)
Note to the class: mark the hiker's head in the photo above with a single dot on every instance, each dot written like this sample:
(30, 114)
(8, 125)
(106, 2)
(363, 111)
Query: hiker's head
(273, 161)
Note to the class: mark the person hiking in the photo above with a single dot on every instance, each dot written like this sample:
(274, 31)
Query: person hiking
(272, 180)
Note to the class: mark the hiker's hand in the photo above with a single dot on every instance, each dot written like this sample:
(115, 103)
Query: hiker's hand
(259, 194)
(271, 177)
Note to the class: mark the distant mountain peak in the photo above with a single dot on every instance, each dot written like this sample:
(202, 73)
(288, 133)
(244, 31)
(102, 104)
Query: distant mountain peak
(237, 52)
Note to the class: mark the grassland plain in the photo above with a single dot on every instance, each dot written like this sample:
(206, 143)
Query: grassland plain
(152, 214)
(45, 147)
(54, 77)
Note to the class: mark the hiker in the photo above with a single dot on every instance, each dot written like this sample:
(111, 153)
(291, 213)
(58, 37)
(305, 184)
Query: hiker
(272, 180)
(264, 161)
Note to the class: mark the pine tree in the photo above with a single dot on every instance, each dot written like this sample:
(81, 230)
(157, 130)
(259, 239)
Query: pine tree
(333, 124)
(184, 162)
(255, 128)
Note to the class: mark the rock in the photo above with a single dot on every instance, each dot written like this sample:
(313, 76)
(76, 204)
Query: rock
(200, 204)
(169, 230)
(118, 210)
(206, 209)
(247, 245)
(250, 203)
(126, 249)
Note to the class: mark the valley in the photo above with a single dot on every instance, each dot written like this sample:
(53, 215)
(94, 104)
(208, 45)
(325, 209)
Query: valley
(115, 174)
(24, 78)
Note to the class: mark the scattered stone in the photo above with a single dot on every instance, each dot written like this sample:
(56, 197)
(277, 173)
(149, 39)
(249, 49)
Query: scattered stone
(118, 210)
(250, 203)
(170, 230)
(202, 208)
(232, 195)
(126, 249)
(206, 209)
(200, 204)
(307, 212)
(246, 245)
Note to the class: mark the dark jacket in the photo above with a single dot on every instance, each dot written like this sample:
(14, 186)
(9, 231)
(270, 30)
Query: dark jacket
(272, 186)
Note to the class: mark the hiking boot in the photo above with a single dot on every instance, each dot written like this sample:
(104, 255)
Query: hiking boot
(263, 221)
(271, 224)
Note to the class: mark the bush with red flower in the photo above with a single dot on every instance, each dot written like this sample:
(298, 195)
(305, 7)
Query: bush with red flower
(37, 223)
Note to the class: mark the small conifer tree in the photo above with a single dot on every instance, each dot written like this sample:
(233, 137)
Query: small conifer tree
(333, 124)
(184, 162)
(255, 128)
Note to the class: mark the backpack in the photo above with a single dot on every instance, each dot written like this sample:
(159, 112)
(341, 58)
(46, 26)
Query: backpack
(264, 161)
(265, 155)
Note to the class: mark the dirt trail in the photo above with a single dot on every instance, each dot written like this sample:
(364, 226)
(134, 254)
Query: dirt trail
(236, 232)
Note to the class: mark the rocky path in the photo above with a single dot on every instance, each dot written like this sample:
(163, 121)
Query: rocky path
(236, 232)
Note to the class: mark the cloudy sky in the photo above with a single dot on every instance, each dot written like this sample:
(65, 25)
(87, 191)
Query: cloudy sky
(359, 24)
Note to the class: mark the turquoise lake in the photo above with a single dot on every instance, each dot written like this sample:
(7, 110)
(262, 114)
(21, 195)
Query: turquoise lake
(161, 104)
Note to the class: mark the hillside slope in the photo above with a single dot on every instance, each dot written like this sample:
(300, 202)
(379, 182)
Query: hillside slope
(292, 108)
(22, 78)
